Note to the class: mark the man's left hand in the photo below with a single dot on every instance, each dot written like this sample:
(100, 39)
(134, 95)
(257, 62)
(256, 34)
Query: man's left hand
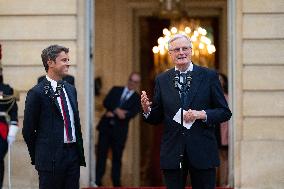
(192, 115)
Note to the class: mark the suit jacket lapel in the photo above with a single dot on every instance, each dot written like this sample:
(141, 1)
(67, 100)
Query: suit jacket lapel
(71, 97)
(172, 89)
(51, 93)
(197, 77)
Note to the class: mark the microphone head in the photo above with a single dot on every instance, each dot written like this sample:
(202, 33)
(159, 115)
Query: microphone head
(46, 87)
(188, 79)
(176, 79)
(177, 73)
(59, 87)
(60, 83)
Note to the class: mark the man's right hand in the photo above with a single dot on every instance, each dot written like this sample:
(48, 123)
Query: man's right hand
(109, 114)
(145, 103)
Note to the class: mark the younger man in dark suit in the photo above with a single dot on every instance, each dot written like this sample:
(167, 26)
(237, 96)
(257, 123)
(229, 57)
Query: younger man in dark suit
(51, 128)
(189, 147)
(122, 104)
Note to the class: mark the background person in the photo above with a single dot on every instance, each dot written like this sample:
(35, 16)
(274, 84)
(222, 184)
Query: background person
(121, 104)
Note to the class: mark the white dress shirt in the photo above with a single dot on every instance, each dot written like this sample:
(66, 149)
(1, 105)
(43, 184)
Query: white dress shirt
(54, 85)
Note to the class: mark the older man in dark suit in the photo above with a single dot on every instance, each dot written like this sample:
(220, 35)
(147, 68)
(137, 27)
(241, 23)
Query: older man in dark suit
(188, 142)
(51, 128)
(122, 104)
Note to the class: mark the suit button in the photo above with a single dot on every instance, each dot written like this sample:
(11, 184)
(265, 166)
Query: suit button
(182, 133)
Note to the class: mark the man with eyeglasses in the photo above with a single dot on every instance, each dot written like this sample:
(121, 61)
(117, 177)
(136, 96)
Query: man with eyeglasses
(121, 104)
(188, 143)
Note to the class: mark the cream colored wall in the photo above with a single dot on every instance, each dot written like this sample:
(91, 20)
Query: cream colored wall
(26, 28)
(259, 142)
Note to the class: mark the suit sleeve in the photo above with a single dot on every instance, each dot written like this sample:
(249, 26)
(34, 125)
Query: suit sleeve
(220, 111)
(108, 100)
(79, 136)
(31, 122)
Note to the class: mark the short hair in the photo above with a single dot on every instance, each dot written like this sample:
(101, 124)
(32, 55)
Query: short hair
(51, 53)
(178, 36)
(134, 73)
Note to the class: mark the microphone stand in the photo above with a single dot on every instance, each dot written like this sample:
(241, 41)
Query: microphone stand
(182, 88)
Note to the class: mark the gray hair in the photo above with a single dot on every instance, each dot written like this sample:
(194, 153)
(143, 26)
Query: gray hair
(51, 53)
(178, 36)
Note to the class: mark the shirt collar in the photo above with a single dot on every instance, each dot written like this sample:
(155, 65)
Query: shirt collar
(190, 68)
(126, 89)
(52, 82)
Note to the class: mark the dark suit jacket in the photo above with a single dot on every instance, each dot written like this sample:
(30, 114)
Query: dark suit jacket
(111, 102)
(199, 141)
(11, 109)
(43, 126)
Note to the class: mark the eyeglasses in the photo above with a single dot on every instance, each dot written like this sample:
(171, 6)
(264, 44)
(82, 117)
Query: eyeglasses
(184, 49)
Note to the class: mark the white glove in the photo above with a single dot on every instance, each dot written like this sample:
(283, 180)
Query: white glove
(13, 129)
(10, 140)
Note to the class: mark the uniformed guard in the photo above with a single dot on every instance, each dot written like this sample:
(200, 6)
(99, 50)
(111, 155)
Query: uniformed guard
(8, 119)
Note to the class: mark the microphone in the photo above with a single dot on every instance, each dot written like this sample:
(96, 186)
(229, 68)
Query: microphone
(46, 87)
(188, 79)
(59, 88)
(176, 79)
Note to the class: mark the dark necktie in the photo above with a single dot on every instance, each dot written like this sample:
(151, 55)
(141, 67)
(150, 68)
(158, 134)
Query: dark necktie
(184, 92)
(124, 98)
(66, 116)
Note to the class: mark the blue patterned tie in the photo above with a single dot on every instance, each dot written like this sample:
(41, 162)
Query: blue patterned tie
(124, 98)
(184, 92)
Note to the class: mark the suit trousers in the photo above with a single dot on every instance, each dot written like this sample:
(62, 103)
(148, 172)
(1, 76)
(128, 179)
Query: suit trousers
(108, 140)
(200, 178)
(3, 151)
(66, 173)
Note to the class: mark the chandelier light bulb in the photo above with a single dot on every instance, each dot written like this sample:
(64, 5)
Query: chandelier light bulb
(161, 41)
(174, 30)
(155, 49)
(166, 32)
(201, 46)
(193, 38)
(187, 30)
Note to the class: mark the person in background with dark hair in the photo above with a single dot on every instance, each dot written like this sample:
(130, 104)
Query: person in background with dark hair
(8, 120)
(51, 128)
(190, 147)
(121, 104)
(222, 135)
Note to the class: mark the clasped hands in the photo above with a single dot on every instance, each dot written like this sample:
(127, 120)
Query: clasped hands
(121, 114)
(189, 115)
